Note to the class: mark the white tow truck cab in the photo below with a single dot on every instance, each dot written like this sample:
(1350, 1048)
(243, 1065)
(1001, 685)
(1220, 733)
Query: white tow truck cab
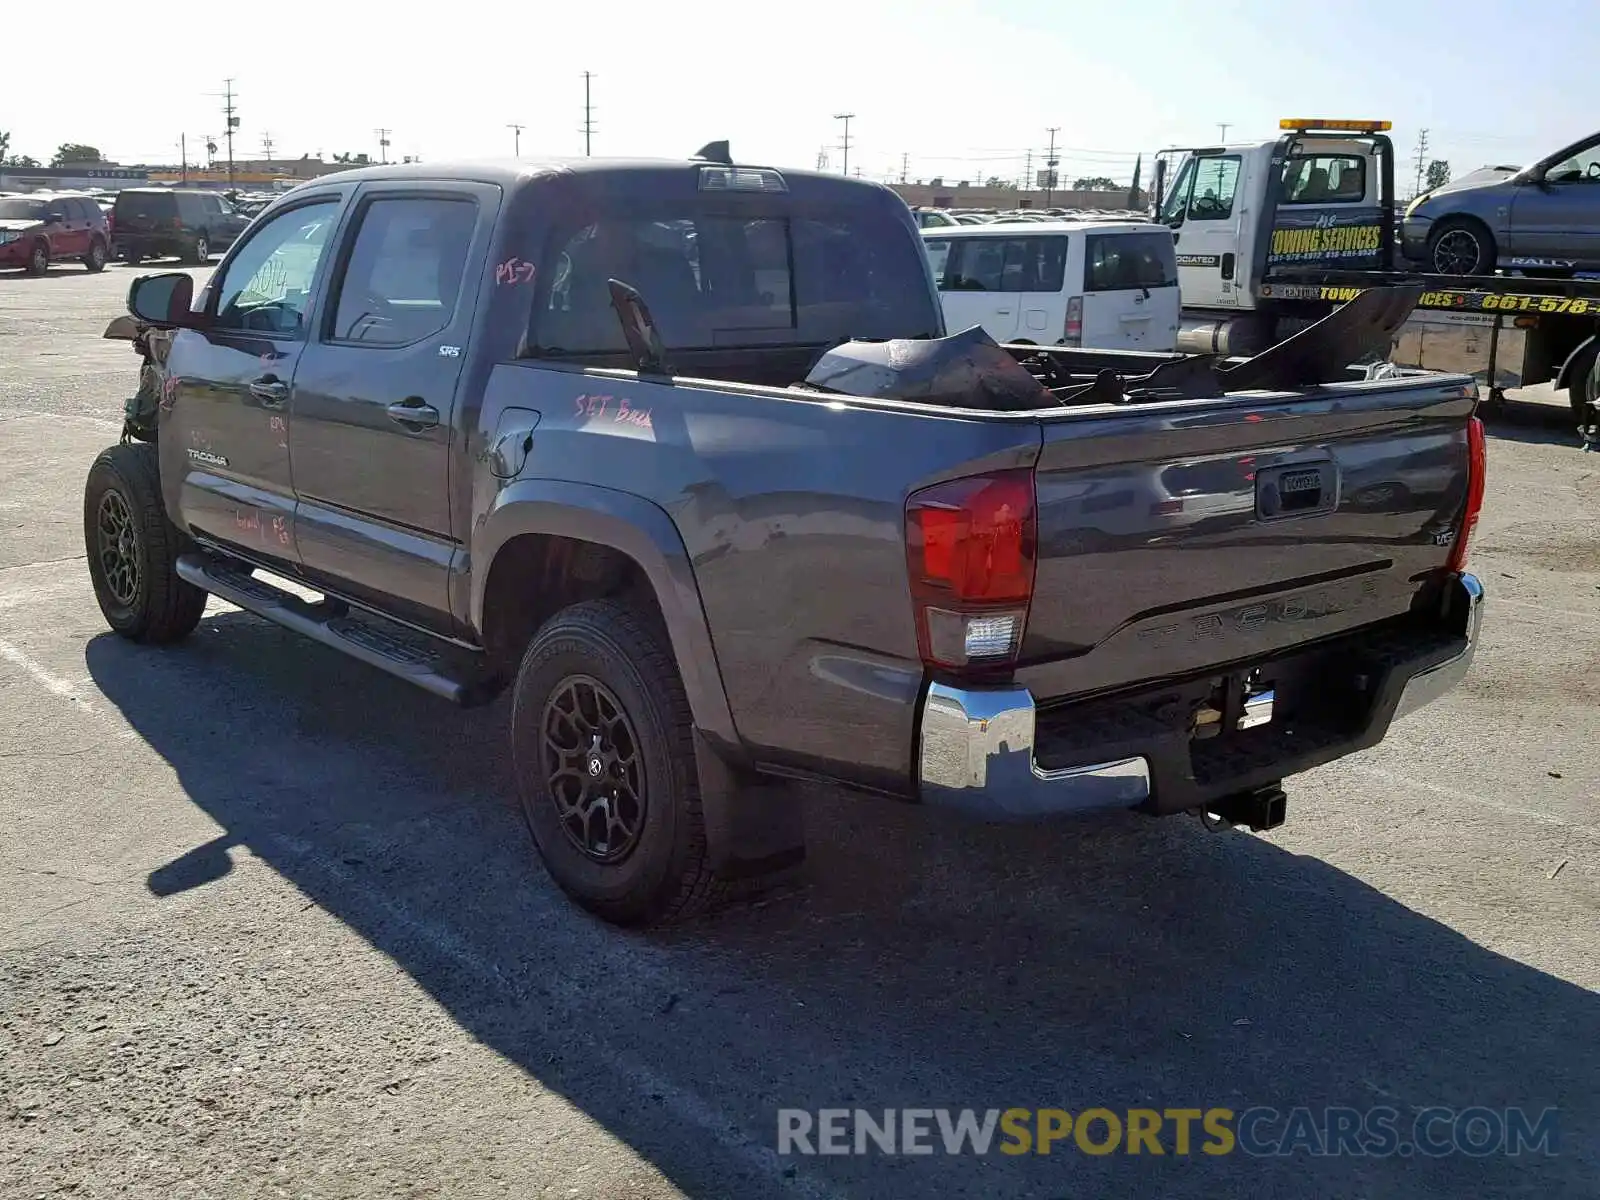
(1274, 235)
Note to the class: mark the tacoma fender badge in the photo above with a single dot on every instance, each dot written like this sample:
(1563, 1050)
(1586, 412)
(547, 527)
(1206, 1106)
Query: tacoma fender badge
(205, 456)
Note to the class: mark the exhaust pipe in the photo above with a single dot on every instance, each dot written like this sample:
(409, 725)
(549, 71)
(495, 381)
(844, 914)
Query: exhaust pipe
(1259, 810)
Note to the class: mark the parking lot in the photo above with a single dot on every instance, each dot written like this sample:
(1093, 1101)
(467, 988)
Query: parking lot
(271, 925)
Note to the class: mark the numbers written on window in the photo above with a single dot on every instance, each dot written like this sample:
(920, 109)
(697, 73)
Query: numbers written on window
(267, 286)
(403, 279)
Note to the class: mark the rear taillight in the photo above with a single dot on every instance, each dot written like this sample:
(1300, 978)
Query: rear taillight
(1477, 469)
(970, 550)
(1072, 330)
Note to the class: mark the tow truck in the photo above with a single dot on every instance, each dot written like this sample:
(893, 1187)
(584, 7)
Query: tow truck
(1274, 235)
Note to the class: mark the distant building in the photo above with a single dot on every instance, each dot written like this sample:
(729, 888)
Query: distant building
(967, 195)
(77, 177)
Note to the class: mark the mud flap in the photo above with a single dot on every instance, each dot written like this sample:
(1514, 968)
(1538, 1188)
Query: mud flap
(753, 827)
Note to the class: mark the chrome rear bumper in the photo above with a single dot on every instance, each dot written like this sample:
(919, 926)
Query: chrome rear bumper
(977, 746)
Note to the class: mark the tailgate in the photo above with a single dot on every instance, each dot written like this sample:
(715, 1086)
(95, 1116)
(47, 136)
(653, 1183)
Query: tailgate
(1177, 538)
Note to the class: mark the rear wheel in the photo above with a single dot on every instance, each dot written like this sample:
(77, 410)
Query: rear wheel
(133, 549)
(95, 260)
(132, 257)
(1461, 246)
(38, 259)
(202, 251)
(604, 757)
(1582, 385)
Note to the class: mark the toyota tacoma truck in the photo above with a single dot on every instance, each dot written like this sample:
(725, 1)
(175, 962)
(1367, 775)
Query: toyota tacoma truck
(680, 455)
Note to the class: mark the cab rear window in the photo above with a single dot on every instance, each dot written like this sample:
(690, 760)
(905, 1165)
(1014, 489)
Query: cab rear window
(722, 280)
(1115, 262)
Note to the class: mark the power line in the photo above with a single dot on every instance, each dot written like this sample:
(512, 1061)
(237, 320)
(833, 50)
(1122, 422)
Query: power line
(588, 115)
(1422, 151)
(845, 145)
(231, 115)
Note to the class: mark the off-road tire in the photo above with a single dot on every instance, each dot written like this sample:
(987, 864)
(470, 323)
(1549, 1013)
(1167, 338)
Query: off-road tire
(38, 259)
(666, 876)
(1483, 258)
(95, 260)
(161, 607)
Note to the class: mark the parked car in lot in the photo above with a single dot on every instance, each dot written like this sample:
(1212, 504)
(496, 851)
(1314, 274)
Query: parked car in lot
(1111, 286)
(729, 509)
(170, 222)
(38, 230)
(1542, 220)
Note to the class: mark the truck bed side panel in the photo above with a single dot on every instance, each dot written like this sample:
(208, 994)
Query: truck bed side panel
(792, 512)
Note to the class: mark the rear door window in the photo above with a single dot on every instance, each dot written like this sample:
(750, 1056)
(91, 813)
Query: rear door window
(1324, 179)
(986, 264)
(403, 278)
(1115, 262)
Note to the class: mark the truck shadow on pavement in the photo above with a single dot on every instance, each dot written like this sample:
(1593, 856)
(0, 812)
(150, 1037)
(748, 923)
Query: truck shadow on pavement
(924, 961)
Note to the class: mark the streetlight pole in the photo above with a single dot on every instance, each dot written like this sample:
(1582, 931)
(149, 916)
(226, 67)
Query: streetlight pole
(846, 118)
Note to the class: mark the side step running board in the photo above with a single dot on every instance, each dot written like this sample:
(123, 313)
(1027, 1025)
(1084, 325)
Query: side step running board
(394, 649)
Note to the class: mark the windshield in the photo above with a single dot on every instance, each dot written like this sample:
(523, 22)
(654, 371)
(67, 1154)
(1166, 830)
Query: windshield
(22, 210)
(715, 281)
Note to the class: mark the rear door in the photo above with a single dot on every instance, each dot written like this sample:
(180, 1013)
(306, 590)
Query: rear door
(225, 431)
(1130, 291)
(973, 288)
(375, 396)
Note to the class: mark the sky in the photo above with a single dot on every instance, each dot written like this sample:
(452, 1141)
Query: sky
(952, 88)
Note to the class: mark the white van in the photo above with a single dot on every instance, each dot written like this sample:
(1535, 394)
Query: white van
(1107, 285)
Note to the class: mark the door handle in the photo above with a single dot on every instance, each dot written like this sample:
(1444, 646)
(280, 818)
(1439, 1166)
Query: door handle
(270, 390)
(413, 413)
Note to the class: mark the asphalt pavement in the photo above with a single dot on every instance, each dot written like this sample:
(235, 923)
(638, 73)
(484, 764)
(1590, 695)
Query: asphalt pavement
(271, 925)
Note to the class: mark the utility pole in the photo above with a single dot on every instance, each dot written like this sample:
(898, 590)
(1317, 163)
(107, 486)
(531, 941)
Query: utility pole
(383, 144)
(1050, 167)
(233, 122)
(266, 147)
(905, 166)
(1222, 129)
(845, 145)
(516, 139)
(1422, 157)
(1027, 172)
(588, 115)
(822, 158)
(183, 157)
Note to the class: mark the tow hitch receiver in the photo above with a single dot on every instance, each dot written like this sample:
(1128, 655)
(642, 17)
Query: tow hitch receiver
(1262, 809)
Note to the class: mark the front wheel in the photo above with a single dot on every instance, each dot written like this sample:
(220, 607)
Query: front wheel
(1461, 246)
(38, 259)
(605, 765)
(133, 549)
(95, 260)
(1583, 386)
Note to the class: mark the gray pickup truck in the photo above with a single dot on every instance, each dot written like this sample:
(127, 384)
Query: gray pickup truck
(681, 455)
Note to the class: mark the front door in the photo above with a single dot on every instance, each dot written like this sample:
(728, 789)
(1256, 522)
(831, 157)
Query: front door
(1201, 210)
(1556, 222)
(375, 398)
(225, 428)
